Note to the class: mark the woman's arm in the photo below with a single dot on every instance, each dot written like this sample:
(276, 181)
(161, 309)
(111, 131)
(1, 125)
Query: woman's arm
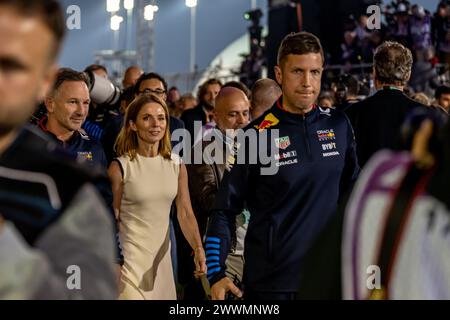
(115, 175)
(187, 221)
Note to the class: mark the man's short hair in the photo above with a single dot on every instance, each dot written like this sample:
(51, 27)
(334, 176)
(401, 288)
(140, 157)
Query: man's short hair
(299, 43)
(238, 85)
(392, 63)
(49, 11)
(444, 89)
(95, 67)
(149, 76)
(263, 92)
(204, 86)
(67, 74)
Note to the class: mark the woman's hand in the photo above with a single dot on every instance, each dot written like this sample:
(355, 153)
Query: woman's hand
(200, 262)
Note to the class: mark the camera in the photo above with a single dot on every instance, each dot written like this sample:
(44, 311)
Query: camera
(254, 16)
(101, 90)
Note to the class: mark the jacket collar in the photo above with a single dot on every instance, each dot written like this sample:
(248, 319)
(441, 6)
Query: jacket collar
(281, 112)
(72, 140)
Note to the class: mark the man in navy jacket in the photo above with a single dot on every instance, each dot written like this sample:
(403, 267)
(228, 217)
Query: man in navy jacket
(315, 161)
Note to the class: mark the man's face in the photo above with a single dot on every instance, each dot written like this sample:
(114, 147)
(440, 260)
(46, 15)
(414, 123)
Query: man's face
(299, 77)
(26, 66)
(69, 105)
(211, 93)
(174, 95)
(154, 86)
(232, 112)
(444, 101)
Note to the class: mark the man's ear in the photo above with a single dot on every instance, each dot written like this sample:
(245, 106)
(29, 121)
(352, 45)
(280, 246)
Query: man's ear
(278, 74)
(49, 104)
(408, 76)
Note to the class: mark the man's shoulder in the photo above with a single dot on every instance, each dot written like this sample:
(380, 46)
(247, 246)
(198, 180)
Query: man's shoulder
(268, 119)
(87, 144)
(194, 112)
(175, 123)
(42, 179)
(34, 151)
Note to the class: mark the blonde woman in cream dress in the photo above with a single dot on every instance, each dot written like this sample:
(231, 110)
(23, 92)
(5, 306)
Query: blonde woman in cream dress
(146, 178)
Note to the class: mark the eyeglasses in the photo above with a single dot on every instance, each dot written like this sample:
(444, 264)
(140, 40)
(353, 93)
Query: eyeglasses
(150, 91)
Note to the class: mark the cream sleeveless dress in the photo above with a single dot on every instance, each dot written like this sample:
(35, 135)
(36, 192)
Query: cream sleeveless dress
(149, 187)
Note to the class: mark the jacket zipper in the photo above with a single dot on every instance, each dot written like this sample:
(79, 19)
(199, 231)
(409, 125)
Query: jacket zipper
(305, 132)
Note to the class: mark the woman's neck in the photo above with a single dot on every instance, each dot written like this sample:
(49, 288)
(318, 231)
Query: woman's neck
(148, 150)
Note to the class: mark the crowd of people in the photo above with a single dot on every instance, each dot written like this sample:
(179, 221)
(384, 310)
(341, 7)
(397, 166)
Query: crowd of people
(277, 192)
(426, 34)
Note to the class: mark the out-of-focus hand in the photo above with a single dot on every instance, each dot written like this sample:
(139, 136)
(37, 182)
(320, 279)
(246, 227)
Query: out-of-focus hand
(420, 151)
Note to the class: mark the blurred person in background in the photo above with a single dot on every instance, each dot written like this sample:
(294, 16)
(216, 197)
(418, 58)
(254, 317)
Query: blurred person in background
(389, 237)
(377, 119)
(263, 95)
(346, 88)
(422, 98)
(202, 113)
(442, 98)
(326, 99)
(52, 217)
(130, 76)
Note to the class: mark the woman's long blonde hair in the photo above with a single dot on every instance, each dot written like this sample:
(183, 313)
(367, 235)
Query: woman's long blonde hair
(127, 140)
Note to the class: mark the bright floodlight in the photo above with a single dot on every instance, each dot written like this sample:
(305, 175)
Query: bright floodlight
(149, 12)
(115, 22)
(191, 3)
(112, 5)
(128, 4)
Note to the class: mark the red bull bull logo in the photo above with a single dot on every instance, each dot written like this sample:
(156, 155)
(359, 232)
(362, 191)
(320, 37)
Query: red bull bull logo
(269, 121)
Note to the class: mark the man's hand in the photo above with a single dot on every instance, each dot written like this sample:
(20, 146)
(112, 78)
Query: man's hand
(220, 288)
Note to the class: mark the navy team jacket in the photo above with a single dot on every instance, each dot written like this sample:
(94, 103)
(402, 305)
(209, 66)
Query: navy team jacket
(316, 160)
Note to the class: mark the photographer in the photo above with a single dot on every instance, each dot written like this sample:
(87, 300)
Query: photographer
(105, 101)
(346, 89)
